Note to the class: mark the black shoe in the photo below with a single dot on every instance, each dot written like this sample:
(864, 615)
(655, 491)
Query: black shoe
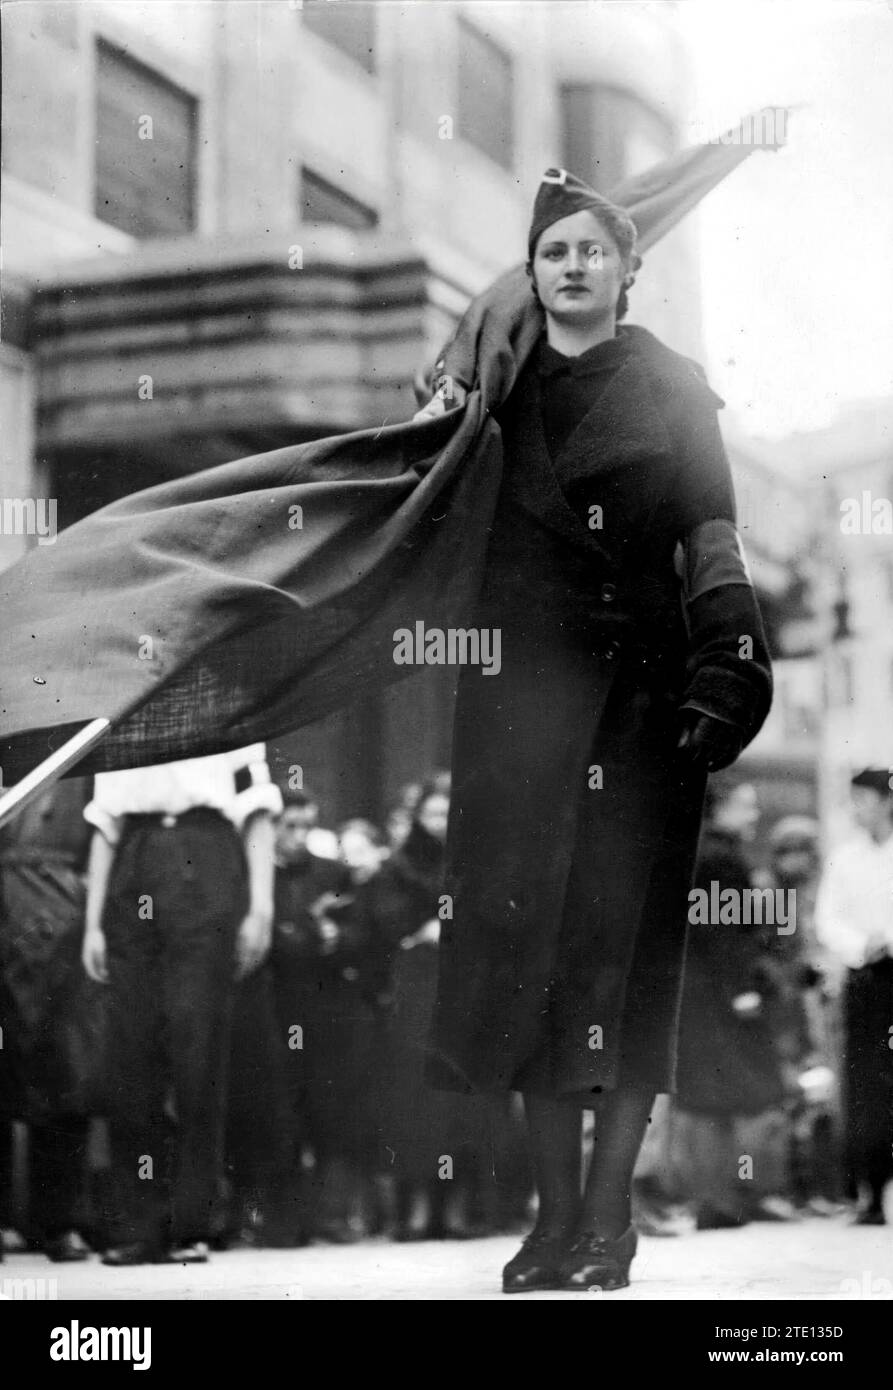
(873, 1216)
(719, 1219)
(66, 1249)
(595, 1262)
(195, 1253)
(405, 1233)
(773, 1208)
(466, 1230)
(537, 1264)
(136, 1252)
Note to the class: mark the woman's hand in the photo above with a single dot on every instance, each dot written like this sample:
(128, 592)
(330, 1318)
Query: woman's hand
(709, 742)
(448, 396)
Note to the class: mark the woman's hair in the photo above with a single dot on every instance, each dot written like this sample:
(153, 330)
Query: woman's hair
(622, 231)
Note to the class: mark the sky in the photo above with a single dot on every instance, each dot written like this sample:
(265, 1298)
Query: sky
(797, 247)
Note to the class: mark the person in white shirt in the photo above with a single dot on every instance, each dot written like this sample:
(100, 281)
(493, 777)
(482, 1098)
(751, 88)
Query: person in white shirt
(179, 907)
(854, 924)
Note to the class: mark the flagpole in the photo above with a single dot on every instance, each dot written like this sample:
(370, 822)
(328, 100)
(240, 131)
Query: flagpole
(52, 768)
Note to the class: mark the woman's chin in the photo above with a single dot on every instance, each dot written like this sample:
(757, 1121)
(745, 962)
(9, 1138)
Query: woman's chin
(580, 312)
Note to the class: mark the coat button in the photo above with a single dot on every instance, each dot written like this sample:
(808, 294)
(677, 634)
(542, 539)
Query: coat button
(609, 593)
(611, 651)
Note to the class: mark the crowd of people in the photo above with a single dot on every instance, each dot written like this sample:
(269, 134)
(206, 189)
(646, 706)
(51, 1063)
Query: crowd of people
(216, 1017)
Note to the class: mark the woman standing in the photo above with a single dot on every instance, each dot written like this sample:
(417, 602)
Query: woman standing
(633, 660)
(399, 910)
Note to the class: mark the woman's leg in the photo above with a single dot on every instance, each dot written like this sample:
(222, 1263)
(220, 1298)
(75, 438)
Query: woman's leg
(621, 1118)
(556, 1149)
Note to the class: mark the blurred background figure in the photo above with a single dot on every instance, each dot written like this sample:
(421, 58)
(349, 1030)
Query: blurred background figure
(362, 848)
(439, 1149)
(325, 1026)
(398, 822)
(51, 1018)
(854, 922)
(418, 1127)
(804, 1021)
(729, 1061)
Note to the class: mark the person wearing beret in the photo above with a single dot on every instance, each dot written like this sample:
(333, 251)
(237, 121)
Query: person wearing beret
(633, 661)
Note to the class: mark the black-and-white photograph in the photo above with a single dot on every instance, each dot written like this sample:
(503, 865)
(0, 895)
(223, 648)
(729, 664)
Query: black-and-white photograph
(446, 613)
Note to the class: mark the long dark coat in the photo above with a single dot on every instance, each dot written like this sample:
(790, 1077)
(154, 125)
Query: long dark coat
(574, 821)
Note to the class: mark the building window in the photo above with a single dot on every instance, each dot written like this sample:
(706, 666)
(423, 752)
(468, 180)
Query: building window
(486, 95)
(321, 201)
(608, 134)
(349, 26)
(145, 148)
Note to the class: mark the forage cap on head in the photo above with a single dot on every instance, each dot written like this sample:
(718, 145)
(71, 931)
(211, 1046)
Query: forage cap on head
(561, 193)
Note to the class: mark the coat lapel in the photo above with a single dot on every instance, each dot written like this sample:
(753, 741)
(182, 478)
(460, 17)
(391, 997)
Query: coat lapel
(623, 428)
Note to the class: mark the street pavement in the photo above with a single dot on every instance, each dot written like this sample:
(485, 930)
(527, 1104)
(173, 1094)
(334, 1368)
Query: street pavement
(814, 1259)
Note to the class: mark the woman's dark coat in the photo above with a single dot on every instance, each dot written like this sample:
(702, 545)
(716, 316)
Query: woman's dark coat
(574, 819)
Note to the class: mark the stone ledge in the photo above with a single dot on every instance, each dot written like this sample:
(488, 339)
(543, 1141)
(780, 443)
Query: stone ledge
(231, 335)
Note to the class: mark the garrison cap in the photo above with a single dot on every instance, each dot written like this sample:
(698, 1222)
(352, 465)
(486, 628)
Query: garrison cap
(559, 195)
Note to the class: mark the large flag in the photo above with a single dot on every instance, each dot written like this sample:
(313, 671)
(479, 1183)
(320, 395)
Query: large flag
(242, 602)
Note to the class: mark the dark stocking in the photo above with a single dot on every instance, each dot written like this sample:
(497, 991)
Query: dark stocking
(620, 1121)
(556, 1144)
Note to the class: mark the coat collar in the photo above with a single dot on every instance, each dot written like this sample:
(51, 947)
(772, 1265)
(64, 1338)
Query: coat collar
(623, 427)
(605, 356)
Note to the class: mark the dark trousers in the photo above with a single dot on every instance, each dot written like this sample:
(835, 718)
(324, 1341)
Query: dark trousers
(262, 1152)
(57, 1162)
(176, 897)
(56, 1176)
(868, 1074)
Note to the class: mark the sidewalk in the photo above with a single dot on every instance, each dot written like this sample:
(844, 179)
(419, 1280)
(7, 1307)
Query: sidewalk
(813, 1260)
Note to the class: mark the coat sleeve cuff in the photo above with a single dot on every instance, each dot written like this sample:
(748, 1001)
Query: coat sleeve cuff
(729, 670)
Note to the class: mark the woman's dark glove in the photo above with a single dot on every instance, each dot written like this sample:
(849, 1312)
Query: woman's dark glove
(709, 742)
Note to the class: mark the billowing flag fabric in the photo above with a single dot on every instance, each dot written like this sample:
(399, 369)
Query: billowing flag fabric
(240, 603)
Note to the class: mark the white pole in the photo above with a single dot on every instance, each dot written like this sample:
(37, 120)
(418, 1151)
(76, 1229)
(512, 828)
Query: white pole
(52, 768)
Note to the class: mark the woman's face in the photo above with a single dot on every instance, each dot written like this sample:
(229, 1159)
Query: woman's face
(433, 815)
(578, 270)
